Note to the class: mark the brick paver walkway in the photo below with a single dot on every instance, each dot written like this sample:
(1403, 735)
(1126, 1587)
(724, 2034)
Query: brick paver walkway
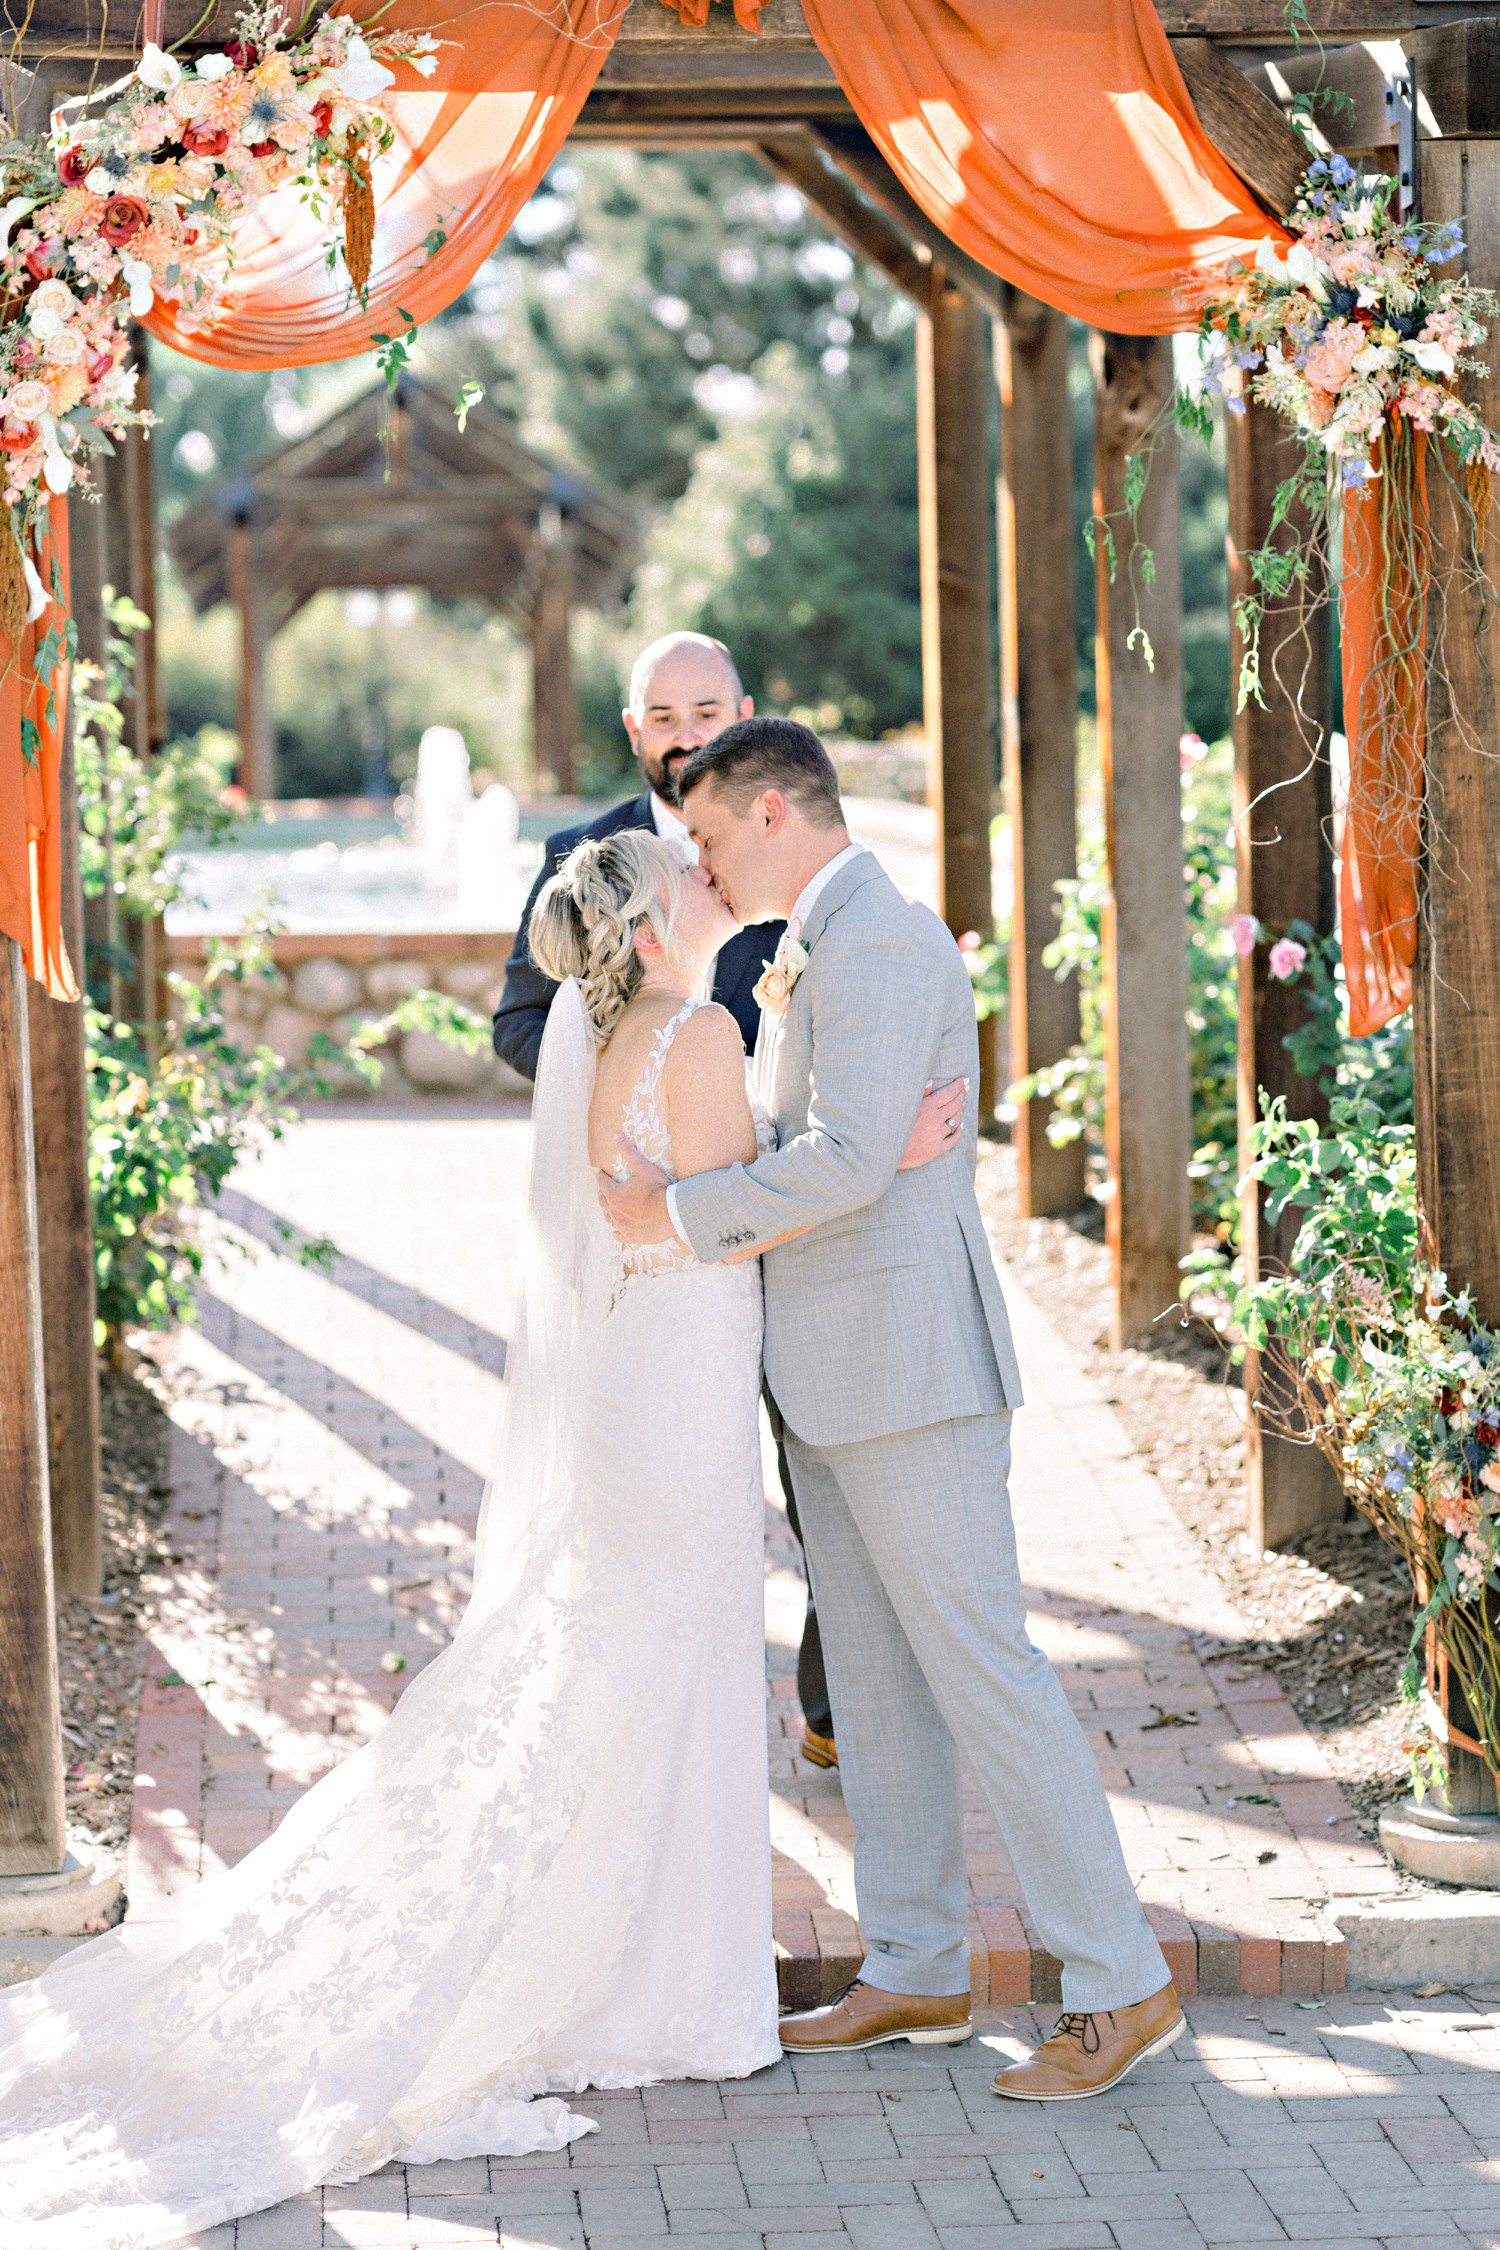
(331, 1442)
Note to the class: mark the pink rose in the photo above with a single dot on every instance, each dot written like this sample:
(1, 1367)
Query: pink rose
(1244, 932)
(969, 942)
(1288, 959)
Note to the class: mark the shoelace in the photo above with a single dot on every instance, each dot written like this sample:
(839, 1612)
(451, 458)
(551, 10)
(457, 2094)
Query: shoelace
(1083, 2028)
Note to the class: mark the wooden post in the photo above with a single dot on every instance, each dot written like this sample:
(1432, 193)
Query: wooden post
(32, 1833)
(65, 1235)
(1148, 1130)
(958, 611)
(554, 696)
(1039, 721)
(87, 573)
(1283, 804)
(1456, 1020)
(130, 566)
(247, 591)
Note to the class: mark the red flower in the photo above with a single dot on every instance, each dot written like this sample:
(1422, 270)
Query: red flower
(322, 119)
(124, 216)
(264, 148)
(25, 354)
(242, 53)
(205, 140)
(16, 436)
(100, 365)
(1448, 1404)
(74, 165)
(1487, 1430)
(44, 258)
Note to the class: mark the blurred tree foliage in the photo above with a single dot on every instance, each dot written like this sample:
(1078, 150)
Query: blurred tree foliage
(680, 327)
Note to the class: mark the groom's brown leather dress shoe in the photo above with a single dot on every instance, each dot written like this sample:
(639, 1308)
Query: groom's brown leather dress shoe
(819, 1749)
(868, 2017)
(1087, 2054)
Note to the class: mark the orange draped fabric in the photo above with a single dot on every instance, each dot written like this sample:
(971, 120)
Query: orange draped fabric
(32, 716)
(472, 142)
(1053, 140)
(1383, 613)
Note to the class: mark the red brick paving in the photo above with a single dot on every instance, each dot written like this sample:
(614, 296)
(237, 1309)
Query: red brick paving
(329, 1456)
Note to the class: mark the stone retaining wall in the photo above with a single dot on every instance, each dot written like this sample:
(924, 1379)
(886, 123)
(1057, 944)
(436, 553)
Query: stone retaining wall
(332, 981)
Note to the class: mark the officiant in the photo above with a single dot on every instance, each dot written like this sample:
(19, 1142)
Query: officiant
(684, 689)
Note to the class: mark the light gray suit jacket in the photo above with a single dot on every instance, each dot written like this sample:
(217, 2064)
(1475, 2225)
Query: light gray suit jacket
(889, 1315)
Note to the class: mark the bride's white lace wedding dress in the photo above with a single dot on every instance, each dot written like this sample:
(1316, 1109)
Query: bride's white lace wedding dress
(549, 1870)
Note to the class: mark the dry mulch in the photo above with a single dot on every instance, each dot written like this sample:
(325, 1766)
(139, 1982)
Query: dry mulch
(1331, 1615)
(102, 1645)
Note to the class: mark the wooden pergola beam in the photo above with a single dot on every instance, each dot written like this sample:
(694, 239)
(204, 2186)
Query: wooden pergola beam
(799, 159)
(1243, 123)
(855, 154)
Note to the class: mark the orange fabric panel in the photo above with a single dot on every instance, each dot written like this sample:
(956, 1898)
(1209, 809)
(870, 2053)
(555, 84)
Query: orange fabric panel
(1055, 141)
(472, 143)
(31, 809)
(1383, 613)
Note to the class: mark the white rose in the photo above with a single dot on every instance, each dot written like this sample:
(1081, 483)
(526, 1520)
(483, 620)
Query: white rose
(65, 349)
(157, 69)
(214, 67)
(100, 182)
(1373, 358)
(45, 325)
(28, 401)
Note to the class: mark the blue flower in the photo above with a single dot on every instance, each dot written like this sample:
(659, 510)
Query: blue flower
(1401, 1455)
(1356, 475)
(1341, 301)
(1235, 405)
(1394, 1481)
(1342, 172)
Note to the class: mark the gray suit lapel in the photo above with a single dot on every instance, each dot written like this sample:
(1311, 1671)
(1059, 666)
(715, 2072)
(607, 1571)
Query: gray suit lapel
(838, 891)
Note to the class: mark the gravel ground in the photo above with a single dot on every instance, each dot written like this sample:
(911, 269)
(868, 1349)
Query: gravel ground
(1332, 1615)
(102, 1645)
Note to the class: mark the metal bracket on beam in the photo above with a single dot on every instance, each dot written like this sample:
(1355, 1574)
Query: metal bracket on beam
(1401, 110)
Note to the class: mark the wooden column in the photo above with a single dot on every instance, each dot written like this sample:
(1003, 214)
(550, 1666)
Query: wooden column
(1039, 720)
(248, 593)
(958, 611)
(130, 568)
(65, 1226)
(554, 695)
(1147, 1119)
(32, 1834)
(87, 572)
(1283, 804)
(1456, 1021)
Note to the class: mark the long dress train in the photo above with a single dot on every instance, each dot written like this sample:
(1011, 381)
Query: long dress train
(551, 1867)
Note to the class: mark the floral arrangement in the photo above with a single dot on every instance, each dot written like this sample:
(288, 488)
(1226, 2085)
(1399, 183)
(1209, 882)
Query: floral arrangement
(132, 198)
(1391, 1374)
(1353, 326)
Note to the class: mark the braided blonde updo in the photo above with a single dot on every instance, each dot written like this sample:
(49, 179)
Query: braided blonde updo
(585, 920)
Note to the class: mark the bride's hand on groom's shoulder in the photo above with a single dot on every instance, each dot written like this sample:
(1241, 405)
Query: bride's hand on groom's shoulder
(940, 1124)
(636, 1206)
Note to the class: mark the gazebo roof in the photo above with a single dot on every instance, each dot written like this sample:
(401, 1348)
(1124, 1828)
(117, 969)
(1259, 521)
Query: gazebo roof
(389, 492)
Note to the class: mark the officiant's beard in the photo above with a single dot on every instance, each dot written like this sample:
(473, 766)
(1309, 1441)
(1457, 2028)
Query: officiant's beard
(661, 771)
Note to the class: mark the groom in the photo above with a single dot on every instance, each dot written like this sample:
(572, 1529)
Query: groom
(889, 1357)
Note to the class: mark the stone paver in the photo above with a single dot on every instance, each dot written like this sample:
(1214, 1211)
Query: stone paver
(330, 1451)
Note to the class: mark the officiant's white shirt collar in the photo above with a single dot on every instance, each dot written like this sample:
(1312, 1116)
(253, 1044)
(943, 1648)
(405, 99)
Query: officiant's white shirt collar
(807, 897)
(673, 830)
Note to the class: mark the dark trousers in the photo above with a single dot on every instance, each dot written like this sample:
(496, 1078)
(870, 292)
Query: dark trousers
(812, 1681)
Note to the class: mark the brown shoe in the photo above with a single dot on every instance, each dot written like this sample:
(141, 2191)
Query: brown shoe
(1089, 2054)
(868, 2017)
(819, 1749)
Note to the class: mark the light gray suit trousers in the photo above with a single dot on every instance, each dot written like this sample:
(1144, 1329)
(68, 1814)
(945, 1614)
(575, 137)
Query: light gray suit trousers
(888, 1356)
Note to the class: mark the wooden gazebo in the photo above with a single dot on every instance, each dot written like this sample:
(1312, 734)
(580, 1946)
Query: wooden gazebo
(1424, 97)
(389, 492)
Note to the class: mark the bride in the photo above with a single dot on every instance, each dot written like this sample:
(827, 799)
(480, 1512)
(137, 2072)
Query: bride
(551, 1867)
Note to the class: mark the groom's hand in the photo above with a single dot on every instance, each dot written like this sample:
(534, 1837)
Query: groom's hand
(636, 1207)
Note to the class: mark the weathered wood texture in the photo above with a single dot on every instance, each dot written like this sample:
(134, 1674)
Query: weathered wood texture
(1284, 858)
(1147, 1124)
(65, 1233)
(1039, 719)
(1243, 123)
(32, 1835)
(958, 611)
(83, 29)
(1456, 1020)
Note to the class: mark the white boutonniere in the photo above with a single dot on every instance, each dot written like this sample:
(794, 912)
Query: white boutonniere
(774, 989)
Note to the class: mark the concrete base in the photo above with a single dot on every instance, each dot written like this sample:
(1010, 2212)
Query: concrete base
(1446, 1847)
(78, 1899)
(1439, 1937)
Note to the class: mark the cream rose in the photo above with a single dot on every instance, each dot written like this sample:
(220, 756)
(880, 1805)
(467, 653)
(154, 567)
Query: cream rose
(65, 349)
(52, 297)
(27, 401)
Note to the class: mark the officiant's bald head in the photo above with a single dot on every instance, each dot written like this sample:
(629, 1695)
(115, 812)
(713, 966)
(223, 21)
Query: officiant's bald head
(684, 689)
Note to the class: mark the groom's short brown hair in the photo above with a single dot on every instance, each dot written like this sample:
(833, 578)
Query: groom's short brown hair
(758, 754)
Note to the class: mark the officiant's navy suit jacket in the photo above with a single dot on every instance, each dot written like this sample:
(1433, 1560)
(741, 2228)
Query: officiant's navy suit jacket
(521, 1017)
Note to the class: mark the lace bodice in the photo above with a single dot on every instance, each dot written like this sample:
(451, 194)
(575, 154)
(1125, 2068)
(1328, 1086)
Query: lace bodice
(645, 1128)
